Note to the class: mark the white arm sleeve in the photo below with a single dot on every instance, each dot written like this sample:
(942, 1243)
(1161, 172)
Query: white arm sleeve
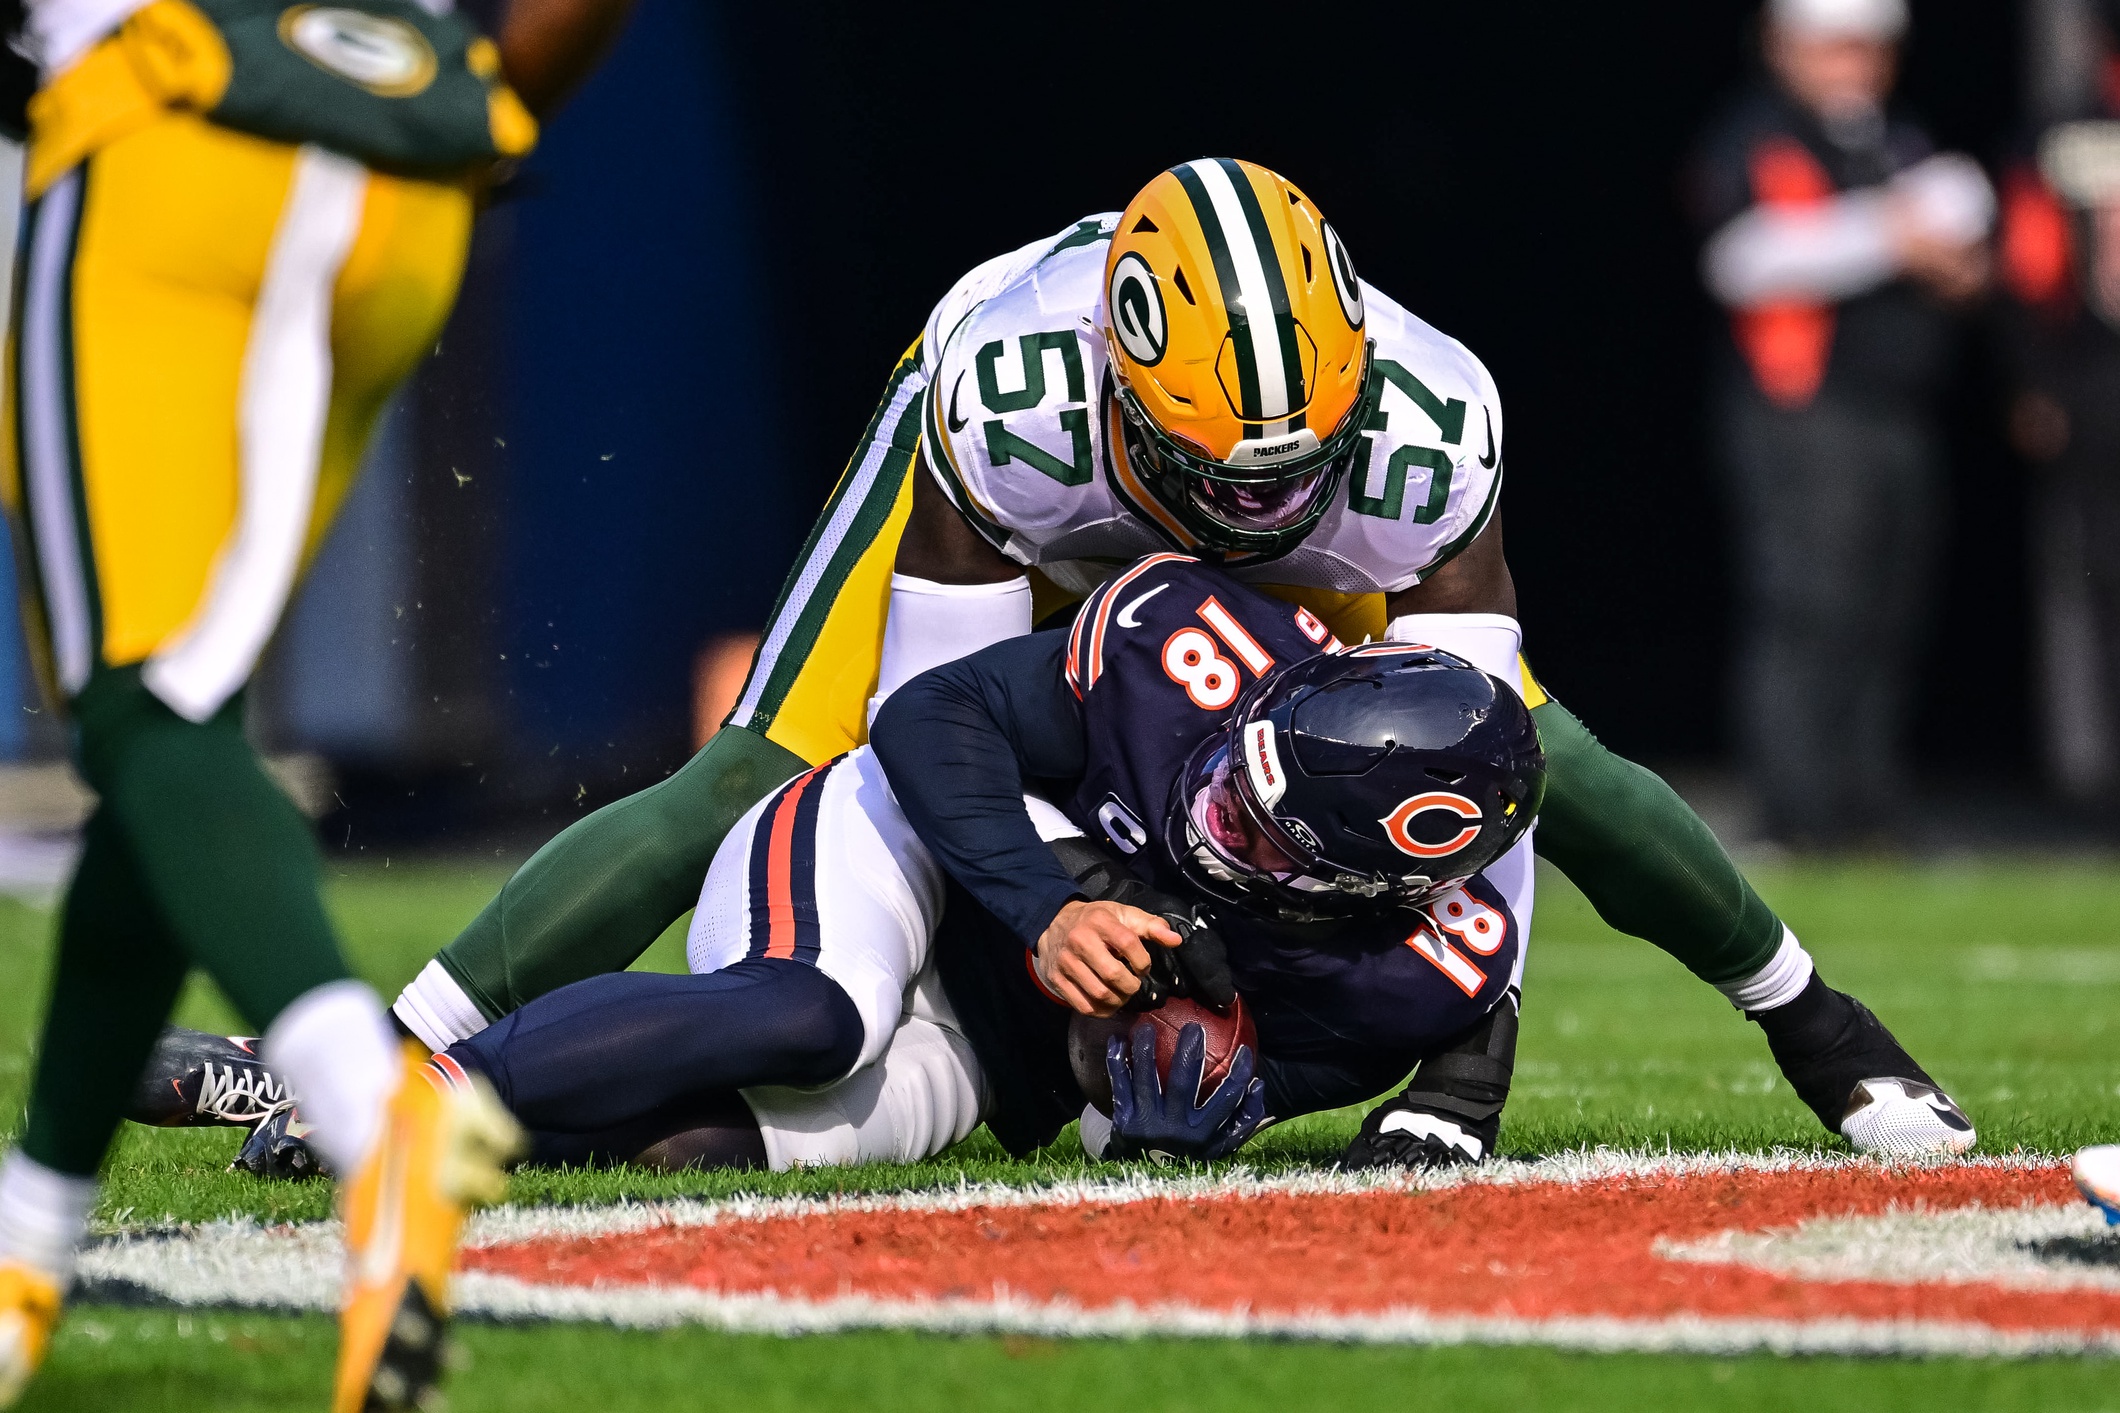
(1490, 642)
(1828, 252)
(931, 623)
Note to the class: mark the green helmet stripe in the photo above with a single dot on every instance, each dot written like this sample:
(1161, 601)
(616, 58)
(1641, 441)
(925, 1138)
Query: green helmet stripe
(1276, 284)
(1232, 289)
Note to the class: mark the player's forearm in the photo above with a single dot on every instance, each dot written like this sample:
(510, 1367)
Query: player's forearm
(549, 46)
(957, 744)
(1476, 581)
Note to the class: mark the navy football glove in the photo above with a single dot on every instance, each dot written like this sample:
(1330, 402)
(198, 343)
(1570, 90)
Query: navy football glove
(1148, 1120)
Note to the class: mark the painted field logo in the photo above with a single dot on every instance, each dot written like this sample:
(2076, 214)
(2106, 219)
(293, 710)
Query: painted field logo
(386, 56)
(1601, 1251)
(1398, 825)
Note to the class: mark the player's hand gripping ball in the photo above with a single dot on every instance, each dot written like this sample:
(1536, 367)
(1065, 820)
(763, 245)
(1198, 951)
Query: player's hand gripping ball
(1222, 1034)
(1163, 1106)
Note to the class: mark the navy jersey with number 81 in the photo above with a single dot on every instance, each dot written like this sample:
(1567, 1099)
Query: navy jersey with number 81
(1158, 657)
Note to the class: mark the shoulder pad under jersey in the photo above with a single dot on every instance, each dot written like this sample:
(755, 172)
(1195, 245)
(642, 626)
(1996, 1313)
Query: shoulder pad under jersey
(1186, 631)
(990, 277)
(1011, 419)
(1428, 479)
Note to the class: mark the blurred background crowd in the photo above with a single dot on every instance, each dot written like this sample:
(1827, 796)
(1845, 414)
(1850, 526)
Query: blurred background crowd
(1807, 320)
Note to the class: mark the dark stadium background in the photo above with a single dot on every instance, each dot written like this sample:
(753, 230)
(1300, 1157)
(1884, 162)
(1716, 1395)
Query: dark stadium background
(679, 318)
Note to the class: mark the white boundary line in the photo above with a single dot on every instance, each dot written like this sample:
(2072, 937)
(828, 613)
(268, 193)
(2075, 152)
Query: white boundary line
(502, 1298)
(508, 1224)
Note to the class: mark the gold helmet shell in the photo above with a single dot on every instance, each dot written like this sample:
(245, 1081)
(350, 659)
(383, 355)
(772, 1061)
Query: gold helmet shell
(1240, 366)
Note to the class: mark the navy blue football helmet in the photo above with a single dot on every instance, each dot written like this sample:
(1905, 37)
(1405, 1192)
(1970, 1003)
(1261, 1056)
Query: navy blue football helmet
(1356, 781)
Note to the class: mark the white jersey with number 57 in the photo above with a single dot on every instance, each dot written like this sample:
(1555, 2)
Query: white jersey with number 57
(1021, 431)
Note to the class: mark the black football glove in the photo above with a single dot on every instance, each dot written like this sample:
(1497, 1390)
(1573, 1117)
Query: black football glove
(1197, 967)
(1166, 1125)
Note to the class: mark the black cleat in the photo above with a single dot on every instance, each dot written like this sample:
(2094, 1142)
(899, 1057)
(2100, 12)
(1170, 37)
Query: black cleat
(1404, 1134)
(278, 1149)
(197, 1080)
(1858, 1080)
(415, 1353)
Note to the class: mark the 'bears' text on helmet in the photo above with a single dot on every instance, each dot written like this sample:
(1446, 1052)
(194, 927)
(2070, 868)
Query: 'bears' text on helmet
(1368, 778)
(1241, 375)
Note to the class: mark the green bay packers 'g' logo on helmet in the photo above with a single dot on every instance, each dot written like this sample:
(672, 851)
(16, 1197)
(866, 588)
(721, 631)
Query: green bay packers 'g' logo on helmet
(386, 56)
(1137, 311)
(1344, 282)
(1240, 373)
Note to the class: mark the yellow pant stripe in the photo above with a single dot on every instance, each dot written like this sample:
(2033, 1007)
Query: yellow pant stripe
(1534, 695)
(816, 666)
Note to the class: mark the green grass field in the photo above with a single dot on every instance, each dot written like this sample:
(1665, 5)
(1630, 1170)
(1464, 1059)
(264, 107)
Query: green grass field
(2004, 978)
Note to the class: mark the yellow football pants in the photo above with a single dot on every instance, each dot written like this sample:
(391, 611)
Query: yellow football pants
(207, 328)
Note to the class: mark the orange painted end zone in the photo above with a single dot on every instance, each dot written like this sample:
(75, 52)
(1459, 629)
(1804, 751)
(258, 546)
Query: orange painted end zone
(1533, 1250)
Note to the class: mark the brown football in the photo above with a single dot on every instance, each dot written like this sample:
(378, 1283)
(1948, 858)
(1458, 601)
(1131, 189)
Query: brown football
(1086, 1036)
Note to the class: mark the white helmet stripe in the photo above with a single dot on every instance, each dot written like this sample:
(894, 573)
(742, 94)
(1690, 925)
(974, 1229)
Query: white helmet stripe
(1250, 263)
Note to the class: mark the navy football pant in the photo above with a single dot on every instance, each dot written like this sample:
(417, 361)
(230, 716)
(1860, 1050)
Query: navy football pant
(607, 1053)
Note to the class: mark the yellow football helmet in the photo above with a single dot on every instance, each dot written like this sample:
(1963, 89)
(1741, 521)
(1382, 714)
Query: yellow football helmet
(1241, 373)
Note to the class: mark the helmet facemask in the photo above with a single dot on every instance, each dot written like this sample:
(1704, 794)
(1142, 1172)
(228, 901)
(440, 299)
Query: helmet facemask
(1260, 509)
(1232, 846)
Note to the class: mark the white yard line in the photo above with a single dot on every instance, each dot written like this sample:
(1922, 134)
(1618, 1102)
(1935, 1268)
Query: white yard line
(506, 1224)
(500, 1297)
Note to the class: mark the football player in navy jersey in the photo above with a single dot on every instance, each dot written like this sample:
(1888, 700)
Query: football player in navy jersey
(1217, 752)
(1334, 806)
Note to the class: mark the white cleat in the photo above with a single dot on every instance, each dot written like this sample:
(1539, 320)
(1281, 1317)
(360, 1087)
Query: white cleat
(1904, 1118)
(2097, 1173)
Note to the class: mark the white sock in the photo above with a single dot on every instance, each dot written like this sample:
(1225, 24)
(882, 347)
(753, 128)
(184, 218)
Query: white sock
(436, 1009)
(1777, 983)
(42, 1215)
(342, 1059)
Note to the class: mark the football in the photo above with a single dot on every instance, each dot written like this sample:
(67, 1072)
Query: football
(1087, 1034)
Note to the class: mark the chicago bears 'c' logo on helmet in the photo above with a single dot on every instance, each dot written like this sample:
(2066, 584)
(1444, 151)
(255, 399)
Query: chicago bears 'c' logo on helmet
(1398, 825)
(1357, 780)
(1137, 310)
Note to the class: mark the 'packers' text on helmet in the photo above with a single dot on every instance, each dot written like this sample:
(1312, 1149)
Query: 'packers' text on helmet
(1240, 369)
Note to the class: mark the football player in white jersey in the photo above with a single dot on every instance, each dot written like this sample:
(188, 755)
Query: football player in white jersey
(1202, 371)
